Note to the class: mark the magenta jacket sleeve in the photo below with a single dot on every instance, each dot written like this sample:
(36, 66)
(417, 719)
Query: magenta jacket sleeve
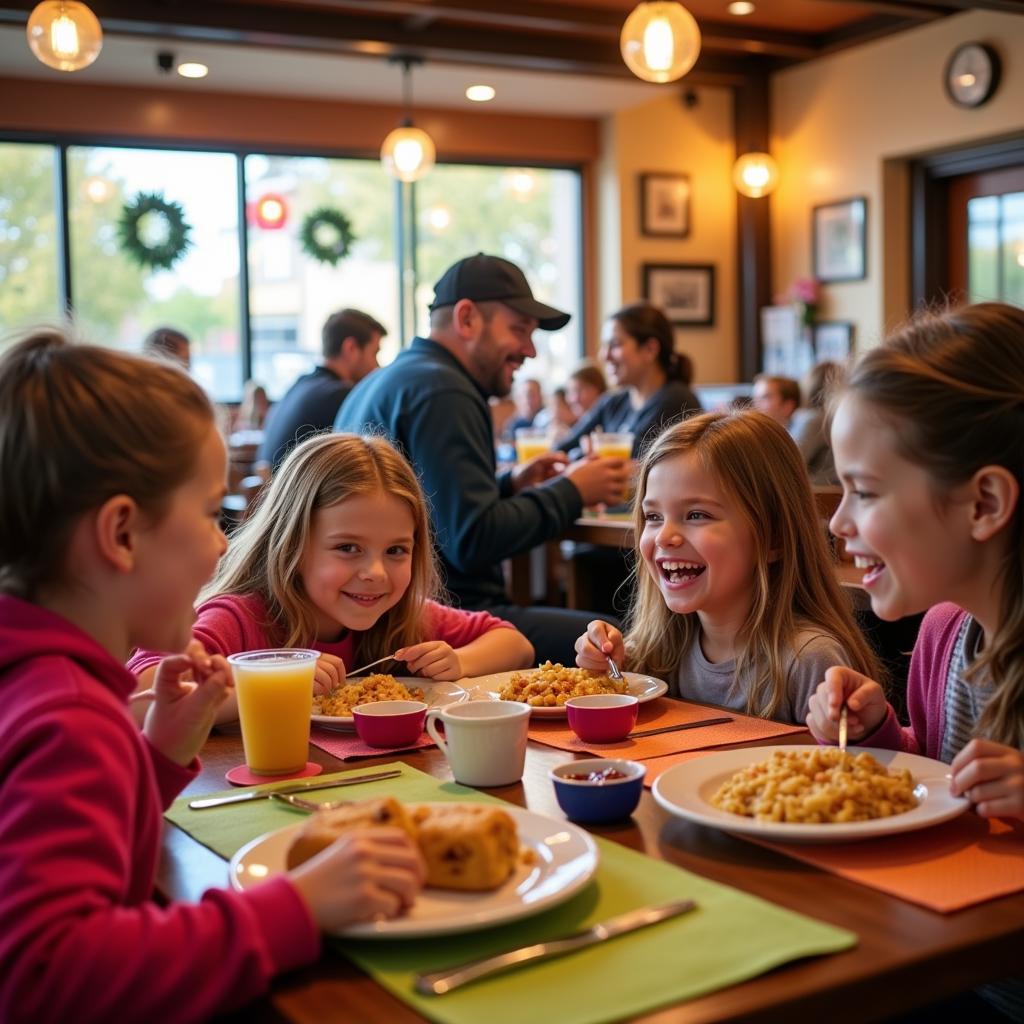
(926, 688)
(80, 937)
(458, 627)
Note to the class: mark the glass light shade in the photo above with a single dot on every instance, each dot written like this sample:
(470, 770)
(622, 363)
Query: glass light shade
(755, 174)
(64, 34)
(660, 41)
(408, 153)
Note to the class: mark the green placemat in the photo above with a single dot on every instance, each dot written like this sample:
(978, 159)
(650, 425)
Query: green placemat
(731, 937)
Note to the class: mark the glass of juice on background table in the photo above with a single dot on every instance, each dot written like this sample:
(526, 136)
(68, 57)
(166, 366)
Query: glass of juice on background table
(275, 694)
(531, 442)
(612, 445)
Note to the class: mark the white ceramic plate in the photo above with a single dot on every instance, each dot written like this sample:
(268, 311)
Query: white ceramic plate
(644, 688)
(565, 858)
(436, 694)
(686, 791)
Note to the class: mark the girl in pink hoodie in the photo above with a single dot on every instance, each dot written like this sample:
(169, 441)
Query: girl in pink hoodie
(113, 474)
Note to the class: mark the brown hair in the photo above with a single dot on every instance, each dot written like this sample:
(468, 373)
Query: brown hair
(349, 323)
(266, 551)
(590, 373)
(820, 381)
(789, 389)
(79, 424)
(758, 465)
(952, 384)
(646, 322)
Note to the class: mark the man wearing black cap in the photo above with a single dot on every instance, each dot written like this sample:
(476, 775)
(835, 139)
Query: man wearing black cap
(432, 402)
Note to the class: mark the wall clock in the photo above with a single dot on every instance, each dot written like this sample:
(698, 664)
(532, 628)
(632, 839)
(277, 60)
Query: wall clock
(972, 74)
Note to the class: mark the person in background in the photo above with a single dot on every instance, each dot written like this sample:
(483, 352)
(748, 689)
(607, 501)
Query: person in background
(778, 397)
(639, 350)
(169, 343)
(586, 384)
(254, 407)
(557, 417)
(927, 442)
(737, 601)
(107, 532)
(529, 400)
(432, 403)
(350, 345)
(337, 557)
(807, 424)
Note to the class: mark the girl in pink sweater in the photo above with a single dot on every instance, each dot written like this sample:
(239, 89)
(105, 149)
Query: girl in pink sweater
(928, 437)
(113, 475)
(338, 557)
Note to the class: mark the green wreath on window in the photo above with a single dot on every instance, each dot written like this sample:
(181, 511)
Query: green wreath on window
(326, 235)
(153, 230)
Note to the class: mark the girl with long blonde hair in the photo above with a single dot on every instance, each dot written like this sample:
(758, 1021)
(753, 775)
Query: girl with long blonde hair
(737, 601)
(338, 556)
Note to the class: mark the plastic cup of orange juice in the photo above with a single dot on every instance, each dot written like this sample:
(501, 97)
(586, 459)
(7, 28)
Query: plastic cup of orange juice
(531, 442)
(612, 445)
(275, 693)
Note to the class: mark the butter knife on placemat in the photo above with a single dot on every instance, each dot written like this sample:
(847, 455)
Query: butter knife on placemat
(302, 787)
(437, 983)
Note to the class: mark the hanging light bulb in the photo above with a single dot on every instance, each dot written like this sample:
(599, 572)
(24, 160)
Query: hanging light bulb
(64, 34)
(755, 174)
(660, 41)
(408, 152)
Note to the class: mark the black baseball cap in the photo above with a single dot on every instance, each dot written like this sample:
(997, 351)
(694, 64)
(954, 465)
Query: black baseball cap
(484, 278)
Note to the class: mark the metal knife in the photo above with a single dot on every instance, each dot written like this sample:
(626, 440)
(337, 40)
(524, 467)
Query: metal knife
(437, 983)
(676, 728)
(263, 794)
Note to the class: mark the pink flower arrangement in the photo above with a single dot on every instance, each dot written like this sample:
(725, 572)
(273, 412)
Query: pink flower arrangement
(805, 294)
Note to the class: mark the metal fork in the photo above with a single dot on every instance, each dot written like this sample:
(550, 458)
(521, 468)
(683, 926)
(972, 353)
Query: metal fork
(379, 661)
(613, 669)
(302, 804)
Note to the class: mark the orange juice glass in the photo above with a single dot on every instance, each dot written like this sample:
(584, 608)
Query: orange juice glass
(275, 694)
(612, 445)
(531, 442)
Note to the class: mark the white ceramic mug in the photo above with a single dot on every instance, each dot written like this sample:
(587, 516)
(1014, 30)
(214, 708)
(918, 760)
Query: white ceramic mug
(484, 741)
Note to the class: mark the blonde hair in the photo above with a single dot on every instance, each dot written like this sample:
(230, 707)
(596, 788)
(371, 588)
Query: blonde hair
(266, 552)
(760, 468)
(79, 424)
(952, 385)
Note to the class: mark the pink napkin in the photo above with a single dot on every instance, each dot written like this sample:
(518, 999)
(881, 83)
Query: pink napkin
(347, 746)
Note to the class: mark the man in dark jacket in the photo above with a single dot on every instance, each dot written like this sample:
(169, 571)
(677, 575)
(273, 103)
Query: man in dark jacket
(432, 402)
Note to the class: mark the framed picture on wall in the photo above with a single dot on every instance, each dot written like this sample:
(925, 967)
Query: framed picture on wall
(685, 291)
(839, 237)
(833, 341)
(665, 205)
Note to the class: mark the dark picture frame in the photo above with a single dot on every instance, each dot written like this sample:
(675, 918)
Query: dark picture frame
(684, 291)
(833, 340)
(839, 240)
(664, 205)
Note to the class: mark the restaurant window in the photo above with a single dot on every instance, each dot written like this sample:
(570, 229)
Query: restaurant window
(291, 293)
(116, 300)
(530, 216)
(29, 288)
(995, 247)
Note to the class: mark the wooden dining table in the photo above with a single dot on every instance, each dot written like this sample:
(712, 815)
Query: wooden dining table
(906, 956)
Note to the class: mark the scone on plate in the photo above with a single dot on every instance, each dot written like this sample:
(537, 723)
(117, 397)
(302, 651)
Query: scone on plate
(322, 828)
(466, 846)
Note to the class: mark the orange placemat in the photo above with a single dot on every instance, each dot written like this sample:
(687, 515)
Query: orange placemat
(965, 861)
(658, 765)
(665, 711)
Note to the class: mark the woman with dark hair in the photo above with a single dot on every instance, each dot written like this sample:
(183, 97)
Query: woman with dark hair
(653, 379)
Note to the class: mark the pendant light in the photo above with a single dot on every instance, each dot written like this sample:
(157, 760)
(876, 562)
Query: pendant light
(408, 152)
(755, 174)
(64, 34)
(660, 41)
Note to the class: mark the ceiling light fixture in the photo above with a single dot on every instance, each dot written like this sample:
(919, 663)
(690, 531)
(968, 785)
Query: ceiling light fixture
(408, 152)
(480, 93)
(64, 34)
(741, 8)
(660, 41)
(192, 69)
(755, 174)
